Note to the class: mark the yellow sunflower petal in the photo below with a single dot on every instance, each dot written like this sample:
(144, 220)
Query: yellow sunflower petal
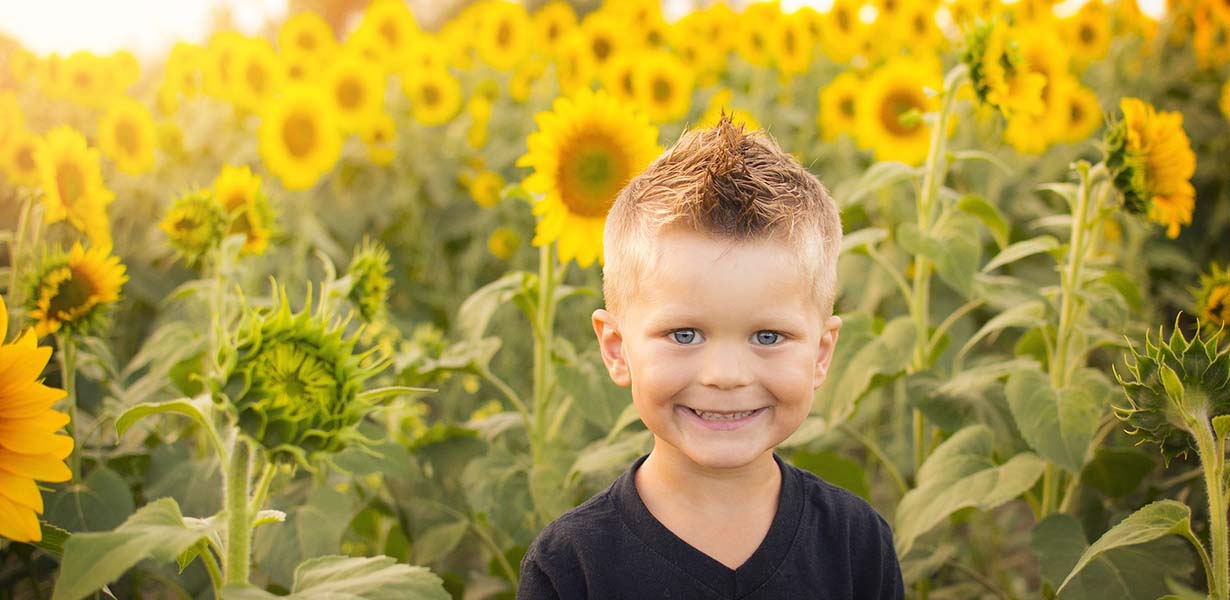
(35, 443)
(18, 523)
(45, 422)
(21, 490)
(43, 467)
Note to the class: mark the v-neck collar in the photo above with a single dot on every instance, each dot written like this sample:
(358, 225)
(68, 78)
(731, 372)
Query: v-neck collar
(729, 583)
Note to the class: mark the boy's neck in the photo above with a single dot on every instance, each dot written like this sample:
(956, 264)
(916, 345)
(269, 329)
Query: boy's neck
(668, 476)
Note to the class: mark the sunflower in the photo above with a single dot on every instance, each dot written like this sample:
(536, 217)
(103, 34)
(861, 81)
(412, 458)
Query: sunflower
(124, 69)
(553, 21)
(889, 95)
(619, 76)
(1042, 52)
(839, 106)
(485, 188)
(195, 225)
(1152, 162)
(127, 135)
(584, 151)
(380, 137)
(258, 75)
(30, 448)
(478, 107)
(184, 68)
(11, 119)
(1088, 32)
(1213, 296)
(392, 28)
(663, 86)
(307, 34)
(220, 57)
(369, 279)
(435, 95)
(504, 34)
(247, 207)
(998, 73)
(17, 158)
(357, 90)
(504, 242)
(756, 27)
(791, 44)
(604, 37)
(575, 66)
(299, 136)
(842, 31)
(50, 75)
(84, 78)
(72, 184)
(915, 28)
(1084, 114)
(70, 292)
(688, 40)
(719, 104)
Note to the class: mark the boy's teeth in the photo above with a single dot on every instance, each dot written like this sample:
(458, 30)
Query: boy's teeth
(710, 416)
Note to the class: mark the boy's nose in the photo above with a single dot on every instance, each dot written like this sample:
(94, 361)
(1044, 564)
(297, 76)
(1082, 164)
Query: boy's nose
(725, 368)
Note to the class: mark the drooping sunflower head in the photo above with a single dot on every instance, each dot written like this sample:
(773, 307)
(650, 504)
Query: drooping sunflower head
(1213, 296)
(1152, 163)
(30, 448)
(70, 292)
(294, 382)
(584, 152)
(299, 136)
(126, 134)
(1174, 387)
(195, 225)
(997, 71)
(369, 279)
(247, 207)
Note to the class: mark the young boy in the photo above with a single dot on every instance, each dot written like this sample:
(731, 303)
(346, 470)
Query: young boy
(720, 273)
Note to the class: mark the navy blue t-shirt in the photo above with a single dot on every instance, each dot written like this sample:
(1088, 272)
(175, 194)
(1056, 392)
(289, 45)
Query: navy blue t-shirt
(824, 542)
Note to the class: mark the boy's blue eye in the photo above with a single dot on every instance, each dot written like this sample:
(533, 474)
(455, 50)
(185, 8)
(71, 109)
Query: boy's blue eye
(688, 335)
(773, 336)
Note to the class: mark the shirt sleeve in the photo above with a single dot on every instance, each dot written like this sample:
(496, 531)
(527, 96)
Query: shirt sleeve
(534, 583)
(891, 585)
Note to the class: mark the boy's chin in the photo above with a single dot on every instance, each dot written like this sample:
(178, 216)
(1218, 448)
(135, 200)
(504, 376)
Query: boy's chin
(718, 457)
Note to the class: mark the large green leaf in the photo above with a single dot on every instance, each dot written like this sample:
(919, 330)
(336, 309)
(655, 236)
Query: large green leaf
(981, 209)
(953, 248)
(100, 503)
(1153, 521)
(881, 360)
(476, 312)
(1019, 250)
(438, 541)
(961, 474)
(91, 560)
(877, 176)
(1117, 472)
(1137, 572)
(835, 469)
(199, 409)
(1059, 426)
(598, 399)
(347, 578)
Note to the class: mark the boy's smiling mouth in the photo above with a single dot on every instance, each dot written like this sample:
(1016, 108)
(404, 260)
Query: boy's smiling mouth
(723, 419)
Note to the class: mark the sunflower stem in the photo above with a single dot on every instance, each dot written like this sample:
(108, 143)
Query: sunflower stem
(238, 515)
(68, 377)
(542, 353)
(1213, 463)
(15, 252)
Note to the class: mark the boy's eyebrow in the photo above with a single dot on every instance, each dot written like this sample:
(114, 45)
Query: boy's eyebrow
(669, 317)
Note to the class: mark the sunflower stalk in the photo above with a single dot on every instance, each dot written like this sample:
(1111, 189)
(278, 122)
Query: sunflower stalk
(15, 252)
(1213, 461)
(934, 173)
(238, 513)
(68, 375)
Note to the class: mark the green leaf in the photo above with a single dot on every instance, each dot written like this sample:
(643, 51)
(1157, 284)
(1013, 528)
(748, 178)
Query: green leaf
(1058, 426)
(347, 578)
(549, 490)
(1221, 425)
(198, 409)
(883, 359)
(1130, 573)
(100, 503)
(91, 560)
(1027, 315)
(598, 400)
(1126, 286)
(1153, 521)
(610, 457)
(869, 236)
(980, 208)
(961, 155)
(953, 248)
(876, 177)
(379, 395)
(476, 311)
(1019, 250)
(1117, 472)
(436, 542)
(835, 469)
(961, 474)
(53, 539)
(1067, 191)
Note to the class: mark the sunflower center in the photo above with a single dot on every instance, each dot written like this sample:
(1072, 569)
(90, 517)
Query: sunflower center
(553, 30)
(1087, 34)
(126, 136)
(82, 80)
(431, 95)
(663, 91)
(789, 41)
(1077, 112)
(72, 295)
(389, 31)
(592, 175)
(920, 24)
(846, 106)
(25, 159)
(894, 106)
(602, 48)
(234, 200)
(626, 83)
(70, 182)
(843, 19)
(306, 41)
(257, 78)
(349, 94)
(299, 135)
(1217, 308)
(503, 34)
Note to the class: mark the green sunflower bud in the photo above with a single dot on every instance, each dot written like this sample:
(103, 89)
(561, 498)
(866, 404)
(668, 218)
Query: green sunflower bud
(296, 384)
(1175, 387)
(195, 225)
(369, 280)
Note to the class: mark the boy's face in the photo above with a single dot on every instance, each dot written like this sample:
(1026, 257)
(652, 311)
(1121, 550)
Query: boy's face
(719, 327)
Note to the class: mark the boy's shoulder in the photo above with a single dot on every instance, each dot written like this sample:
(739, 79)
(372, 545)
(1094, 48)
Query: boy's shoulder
(587, 523)
(835, 505)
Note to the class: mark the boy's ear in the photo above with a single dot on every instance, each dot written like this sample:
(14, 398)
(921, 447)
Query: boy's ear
(828, 342)
(611, 343)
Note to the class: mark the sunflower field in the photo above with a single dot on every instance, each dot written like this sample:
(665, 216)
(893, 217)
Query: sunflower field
(306, 311)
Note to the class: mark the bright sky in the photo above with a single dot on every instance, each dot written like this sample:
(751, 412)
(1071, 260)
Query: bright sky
(143, 26)
(150, 27)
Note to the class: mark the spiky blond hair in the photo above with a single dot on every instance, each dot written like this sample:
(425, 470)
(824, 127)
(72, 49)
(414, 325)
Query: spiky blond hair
(730, 184)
